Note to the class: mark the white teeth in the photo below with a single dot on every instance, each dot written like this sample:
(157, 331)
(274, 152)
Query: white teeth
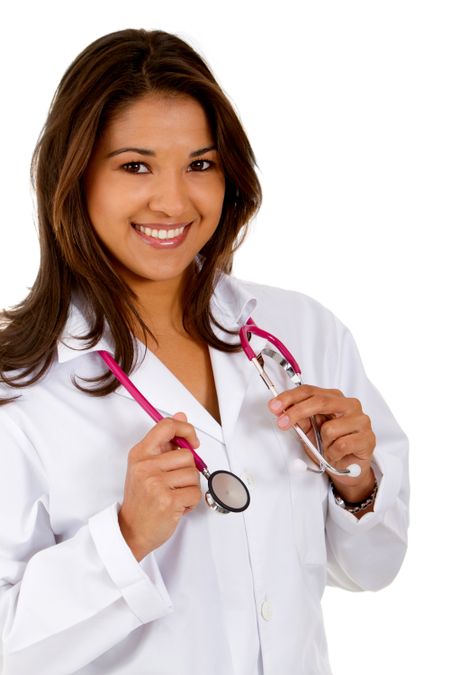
(160, 234)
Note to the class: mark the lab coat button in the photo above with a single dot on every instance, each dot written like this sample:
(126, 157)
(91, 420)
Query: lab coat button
(266, 610)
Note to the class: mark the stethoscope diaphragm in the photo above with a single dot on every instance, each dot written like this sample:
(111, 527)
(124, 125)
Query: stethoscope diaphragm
(226, 492)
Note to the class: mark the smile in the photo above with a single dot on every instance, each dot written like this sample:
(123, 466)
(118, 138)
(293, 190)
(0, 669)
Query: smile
(168, 237)
(160, 233)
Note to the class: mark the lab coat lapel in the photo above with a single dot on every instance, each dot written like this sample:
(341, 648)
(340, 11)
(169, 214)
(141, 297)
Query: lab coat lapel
(233, 373)
(71, 343)
(166, 393)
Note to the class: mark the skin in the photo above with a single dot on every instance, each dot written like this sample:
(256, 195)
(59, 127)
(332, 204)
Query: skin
(167, 188)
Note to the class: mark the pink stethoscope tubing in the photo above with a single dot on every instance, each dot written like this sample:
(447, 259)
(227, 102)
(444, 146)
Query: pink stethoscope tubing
(146, 405)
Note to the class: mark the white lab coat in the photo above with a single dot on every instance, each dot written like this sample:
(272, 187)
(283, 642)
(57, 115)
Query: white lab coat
(235, 594)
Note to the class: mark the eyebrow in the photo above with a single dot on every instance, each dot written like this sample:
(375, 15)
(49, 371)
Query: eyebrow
(151, 153)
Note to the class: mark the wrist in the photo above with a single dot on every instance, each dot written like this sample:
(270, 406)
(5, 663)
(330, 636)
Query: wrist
(358, 503)
(356, 491)
(138, 550)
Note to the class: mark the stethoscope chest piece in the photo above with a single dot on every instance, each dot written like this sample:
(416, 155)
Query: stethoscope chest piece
(226, 492)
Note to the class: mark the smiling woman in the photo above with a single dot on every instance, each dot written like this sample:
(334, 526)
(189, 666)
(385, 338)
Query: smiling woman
(109, 558)
(101, 108)
(140, 208)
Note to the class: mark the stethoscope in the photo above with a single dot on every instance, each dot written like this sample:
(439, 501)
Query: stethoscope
(226, 492)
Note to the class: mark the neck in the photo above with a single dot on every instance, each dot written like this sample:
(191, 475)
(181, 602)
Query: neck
(160, 305)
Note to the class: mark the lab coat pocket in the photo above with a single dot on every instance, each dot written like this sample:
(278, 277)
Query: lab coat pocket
(309, 495)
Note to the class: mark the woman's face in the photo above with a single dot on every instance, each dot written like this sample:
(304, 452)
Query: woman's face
(155, 187)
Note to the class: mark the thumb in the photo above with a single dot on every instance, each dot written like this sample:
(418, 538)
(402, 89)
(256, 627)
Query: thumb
(180, 416)
(159, 439)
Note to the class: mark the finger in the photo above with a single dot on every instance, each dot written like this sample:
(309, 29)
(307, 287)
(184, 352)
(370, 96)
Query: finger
(286, 422)
(187, 498)
(158, 439)
(319, 404)
(335, 427)
(358, 445)
(166, 461)
(194, 441)
(183, 477)
(180, 416)
(298, 394)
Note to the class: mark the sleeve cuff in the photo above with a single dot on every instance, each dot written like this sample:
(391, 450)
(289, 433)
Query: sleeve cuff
(388, 474)
(143, 590)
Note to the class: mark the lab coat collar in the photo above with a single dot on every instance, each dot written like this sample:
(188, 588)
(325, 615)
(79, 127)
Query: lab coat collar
(231, 304)
(72, 343)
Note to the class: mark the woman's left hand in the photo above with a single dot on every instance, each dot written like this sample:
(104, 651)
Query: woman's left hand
(347, 436)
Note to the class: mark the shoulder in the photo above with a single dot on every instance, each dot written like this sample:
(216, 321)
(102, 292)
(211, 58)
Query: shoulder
(323, 345)
(276, 294)
(304, 325)
(14, 398)
(285, 305)
(30, 399)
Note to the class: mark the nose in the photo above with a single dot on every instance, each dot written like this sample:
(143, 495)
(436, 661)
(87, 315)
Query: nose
(169, 195)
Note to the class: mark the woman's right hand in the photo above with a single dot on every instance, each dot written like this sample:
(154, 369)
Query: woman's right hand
(161, 485)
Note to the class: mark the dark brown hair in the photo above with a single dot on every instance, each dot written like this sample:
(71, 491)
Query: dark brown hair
(107, 76)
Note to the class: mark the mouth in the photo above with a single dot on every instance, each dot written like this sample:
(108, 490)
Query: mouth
(162, 236)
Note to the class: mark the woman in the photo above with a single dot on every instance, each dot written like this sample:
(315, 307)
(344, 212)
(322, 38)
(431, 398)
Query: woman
(110, 560)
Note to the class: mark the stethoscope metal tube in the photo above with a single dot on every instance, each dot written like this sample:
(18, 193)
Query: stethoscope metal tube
(290, 365)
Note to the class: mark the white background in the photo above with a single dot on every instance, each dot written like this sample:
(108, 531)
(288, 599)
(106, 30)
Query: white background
(347, 106)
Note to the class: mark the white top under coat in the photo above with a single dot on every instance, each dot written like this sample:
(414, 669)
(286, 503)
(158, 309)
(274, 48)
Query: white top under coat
(235, 594)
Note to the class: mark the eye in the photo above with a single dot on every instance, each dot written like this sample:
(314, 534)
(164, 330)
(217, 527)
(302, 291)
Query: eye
(201, 165)
(135, 167)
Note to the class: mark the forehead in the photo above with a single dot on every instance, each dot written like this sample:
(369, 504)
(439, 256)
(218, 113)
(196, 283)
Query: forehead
(160, 118)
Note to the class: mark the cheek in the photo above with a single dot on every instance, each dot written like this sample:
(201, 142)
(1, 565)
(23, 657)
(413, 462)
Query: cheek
(212, 197)
(96, 201)
(107, 202)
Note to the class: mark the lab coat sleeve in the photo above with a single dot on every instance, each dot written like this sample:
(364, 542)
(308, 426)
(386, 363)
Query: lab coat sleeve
(63, 604)
(366, 554)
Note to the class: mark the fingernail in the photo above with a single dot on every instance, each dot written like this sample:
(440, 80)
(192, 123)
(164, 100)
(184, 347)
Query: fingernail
(284, 422)
(276, 406)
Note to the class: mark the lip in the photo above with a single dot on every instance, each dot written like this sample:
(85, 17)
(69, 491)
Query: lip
(162, 243)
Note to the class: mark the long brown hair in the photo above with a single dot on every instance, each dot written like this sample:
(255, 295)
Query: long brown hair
(106, 77)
